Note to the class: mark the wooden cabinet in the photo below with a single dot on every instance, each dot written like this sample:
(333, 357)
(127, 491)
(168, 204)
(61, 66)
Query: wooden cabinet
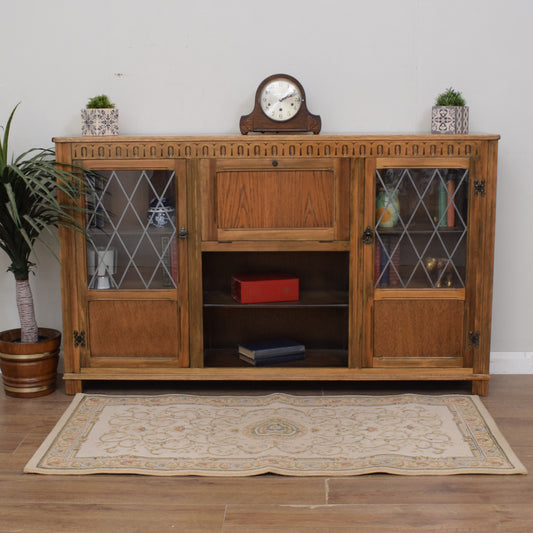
(391, 238)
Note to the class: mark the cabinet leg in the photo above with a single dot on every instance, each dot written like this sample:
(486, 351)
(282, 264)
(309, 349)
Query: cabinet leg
(480, 387)
(73, 386)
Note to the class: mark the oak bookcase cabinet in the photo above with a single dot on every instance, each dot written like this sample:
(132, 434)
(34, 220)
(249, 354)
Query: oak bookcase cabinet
(391, 237)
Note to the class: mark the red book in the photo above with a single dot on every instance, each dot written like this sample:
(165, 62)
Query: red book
(174, 261)
(395, 260)
(253, 288)
(377, 263)
(450, 213)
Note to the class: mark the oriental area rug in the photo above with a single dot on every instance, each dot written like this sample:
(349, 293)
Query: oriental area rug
(173, 435)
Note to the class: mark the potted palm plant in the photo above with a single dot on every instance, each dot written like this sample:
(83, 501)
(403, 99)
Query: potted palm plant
(35, 194)
(450, 113)
(100, 117)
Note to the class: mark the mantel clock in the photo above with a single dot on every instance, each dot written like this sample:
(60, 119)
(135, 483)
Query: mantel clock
(280, 107)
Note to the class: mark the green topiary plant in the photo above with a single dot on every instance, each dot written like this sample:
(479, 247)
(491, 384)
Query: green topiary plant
(100, 102)
(450, 97)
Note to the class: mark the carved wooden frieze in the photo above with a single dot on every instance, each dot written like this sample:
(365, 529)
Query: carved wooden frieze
(343, 146)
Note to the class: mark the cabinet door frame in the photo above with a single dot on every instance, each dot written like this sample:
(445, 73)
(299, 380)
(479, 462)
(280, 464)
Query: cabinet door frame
(337, 230)
(422, 296)
(177, 298)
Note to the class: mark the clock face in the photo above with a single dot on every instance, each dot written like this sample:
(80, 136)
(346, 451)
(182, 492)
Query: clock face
(280, 99)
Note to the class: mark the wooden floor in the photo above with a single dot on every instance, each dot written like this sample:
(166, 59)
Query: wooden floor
(267, 503)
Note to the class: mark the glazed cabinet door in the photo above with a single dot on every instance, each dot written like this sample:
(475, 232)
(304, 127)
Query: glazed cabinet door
(133, 266)
(274, 199)
(421, 249)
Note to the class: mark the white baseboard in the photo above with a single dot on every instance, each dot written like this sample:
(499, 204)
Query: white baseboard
(511, 363)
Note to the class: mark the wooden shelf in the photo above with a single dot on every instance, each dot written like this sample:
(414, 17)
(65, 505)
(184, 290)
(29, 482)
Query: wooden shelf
(313, 358)
(307, 299)
(420, 230)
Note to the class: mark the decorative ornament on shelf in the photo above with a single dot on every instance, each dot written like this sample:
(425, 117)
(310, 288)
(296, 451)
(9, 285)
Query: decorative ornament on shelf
(102, 262)
(160, 213)
(388, 201)
(450, 113)
(280, 107)
(387, 209)
(100, 117)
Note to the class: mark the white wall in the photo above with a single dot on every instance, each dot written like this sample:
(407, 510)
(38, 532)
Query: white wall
(182, 67)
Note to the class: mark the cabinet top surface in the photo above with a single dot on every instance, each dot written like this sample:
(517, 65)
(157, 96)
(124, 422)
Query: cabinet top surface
(253, 138)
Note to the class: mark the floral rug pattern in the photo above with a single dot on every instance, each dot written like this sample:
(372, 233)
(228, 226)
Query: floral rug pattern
(278, 433)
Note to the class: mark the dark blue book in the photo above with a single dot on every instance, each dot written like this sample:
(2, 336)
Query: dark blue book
(269, 348)
(274, 359)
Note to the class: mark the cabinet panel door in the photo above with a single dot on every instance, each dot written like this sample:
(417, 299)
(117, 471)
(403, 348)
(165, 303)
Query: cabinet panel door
(133, 328)
(419, 281)
(426, 331)
(281, 199)
(133, 277)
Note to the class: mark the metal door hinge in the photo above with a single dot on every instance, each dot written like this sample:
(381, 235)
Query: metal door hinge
(79, 338)
(368, 235)
(473, 339)
(479, 187)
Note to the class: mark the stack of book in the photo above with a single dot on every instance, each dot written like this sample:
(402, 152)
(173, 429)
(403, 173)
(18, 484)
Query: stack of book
(271, 352)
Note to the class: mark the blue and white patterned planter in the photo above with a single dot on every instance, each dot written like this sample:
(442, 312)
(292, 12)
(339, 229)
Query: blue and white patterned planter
(99, 121)
(449, 119)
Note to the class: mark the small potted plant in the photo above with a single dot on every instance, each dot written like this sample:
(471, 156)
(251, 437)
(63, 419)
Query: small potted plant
(450, 113)
(100, 117)
(36, 196)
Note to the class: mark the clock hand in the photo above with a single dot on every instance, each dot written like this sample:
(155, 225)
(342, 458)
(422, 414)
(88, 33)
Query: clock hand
(288, 95)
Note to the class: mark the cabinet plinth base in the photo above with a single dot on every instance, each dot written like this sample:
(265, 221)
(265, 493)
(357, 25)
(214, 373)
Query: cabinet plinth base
(74, 380)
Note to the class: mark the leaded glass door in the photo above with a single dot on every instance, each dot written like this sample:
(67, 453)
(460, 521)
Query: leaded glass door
(132, 230)
(135, 264)
(420, 227)
(417, 261)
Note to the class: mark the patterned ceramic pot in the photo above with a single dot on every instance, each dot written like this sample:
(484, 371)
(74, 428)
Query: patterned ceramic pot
(99, 121)
(449, 119)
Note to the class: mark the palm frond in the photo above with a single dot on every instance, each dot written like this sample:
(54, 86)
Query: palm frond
(4, 154)
(36, 195)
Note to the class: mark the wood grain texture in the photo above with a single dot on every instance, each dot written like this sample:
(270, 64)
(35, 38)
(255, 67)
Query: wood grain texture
(418, 328)
(275, 199)
(138, 328)
(272, 199)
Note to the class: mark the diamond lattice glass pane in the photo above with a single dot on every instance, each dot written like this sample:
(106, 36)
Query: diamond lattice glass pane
(132, 229)
(421, 220)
